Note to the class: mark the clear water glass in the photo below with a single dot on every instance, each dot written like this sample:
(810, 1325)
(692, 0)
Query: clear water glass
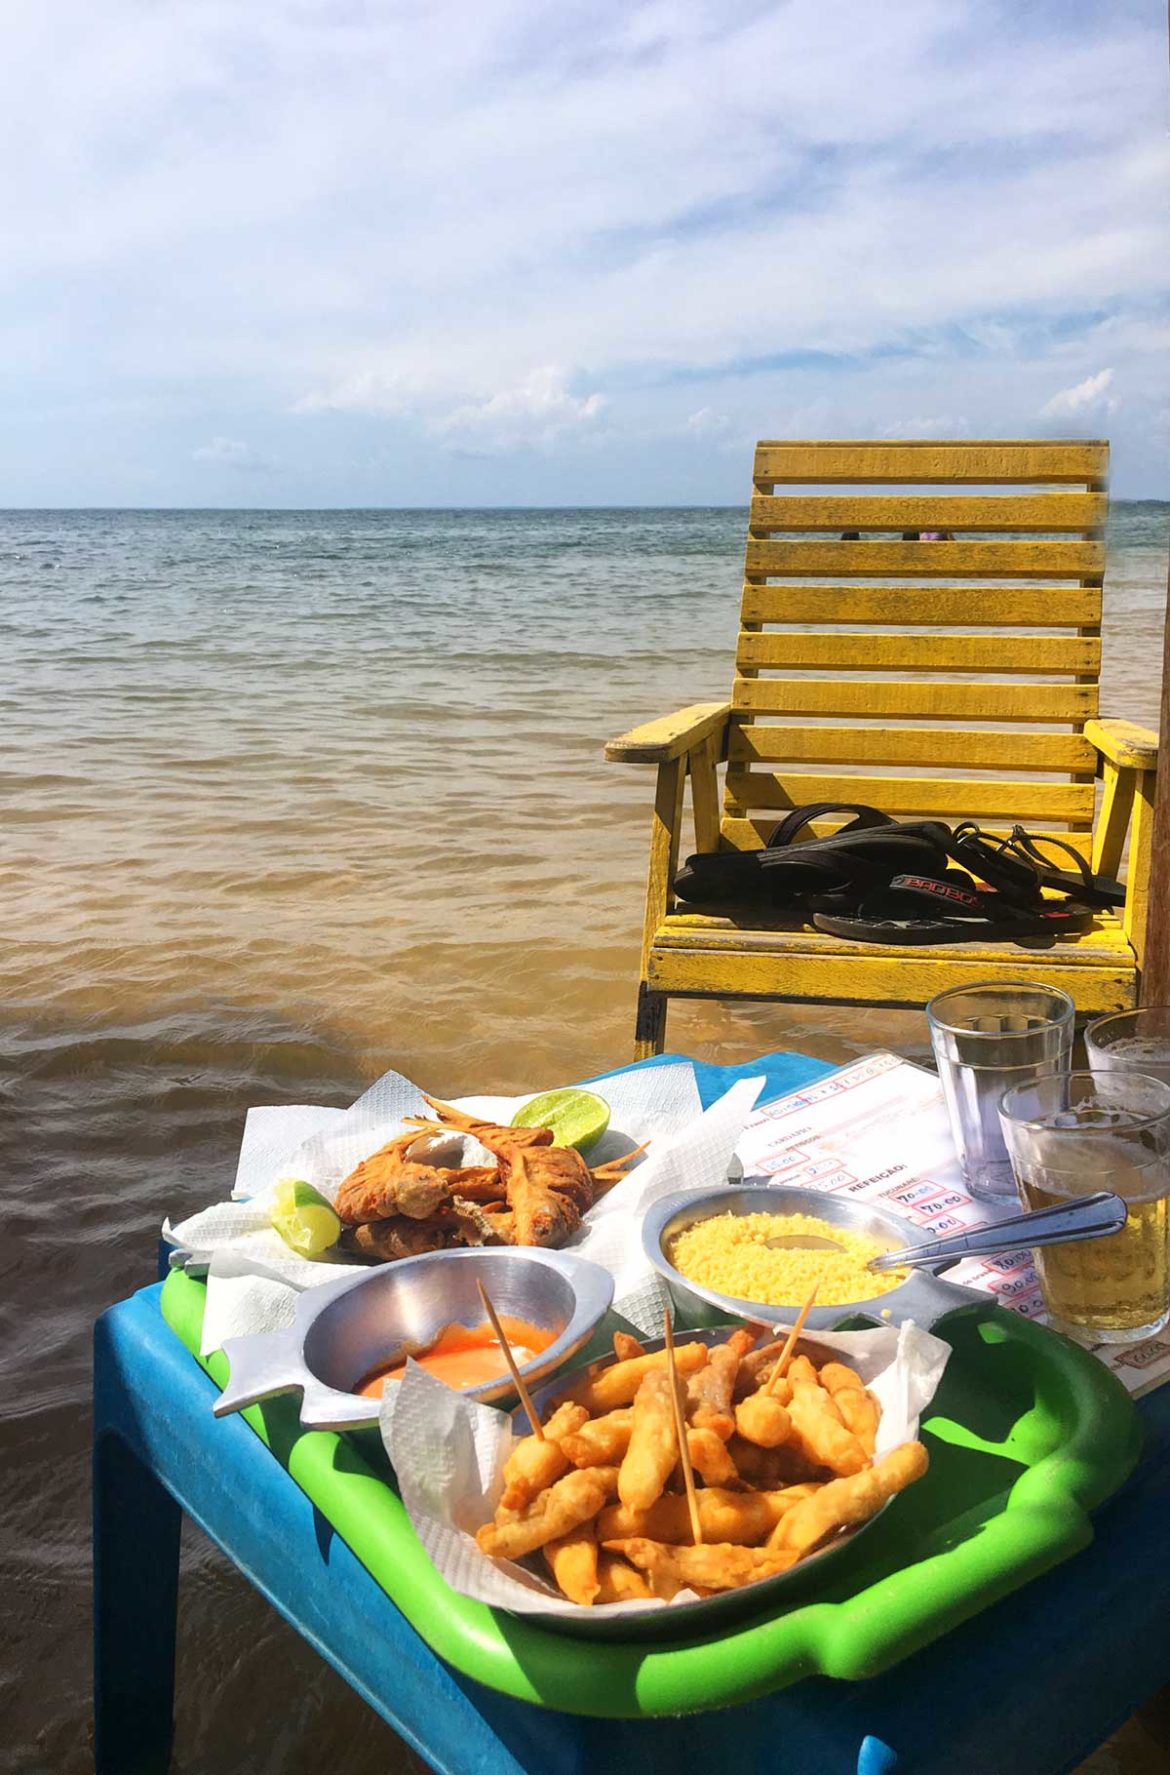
(986, 1039)
(1072, 1135)
(1136, 1041)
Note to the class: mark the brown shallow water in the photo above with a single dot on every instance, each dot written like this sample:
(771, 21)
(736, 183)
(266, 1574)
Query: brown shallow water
(292, 798)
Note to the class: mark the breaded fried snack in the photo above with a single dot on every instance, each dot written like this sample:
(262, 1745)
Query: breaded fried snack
(653, 1452)
(844, 1502)
(556, 1512)
(572, 1561)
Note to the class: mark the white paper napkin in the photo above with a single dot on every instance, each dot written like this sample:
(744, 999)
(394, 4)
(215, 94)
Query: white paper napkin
(448, 1454)
(659, 1104)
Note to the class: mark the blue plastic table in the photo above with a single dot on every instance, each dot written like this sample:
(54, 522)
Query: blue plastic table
(1028, 1688)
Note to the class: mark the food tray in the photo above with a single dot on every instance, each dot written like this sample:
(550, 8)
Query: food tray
(1027, 1434)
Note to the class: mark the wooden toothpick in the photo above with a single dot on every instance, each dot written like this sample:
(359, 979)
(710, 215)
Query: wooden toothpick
(785, 1356)
(680, 1424)
(502, 1339)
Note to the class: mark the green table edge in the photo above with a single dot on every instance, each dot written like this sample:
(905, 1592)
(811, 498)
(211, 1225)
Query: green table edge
(1045, 1520)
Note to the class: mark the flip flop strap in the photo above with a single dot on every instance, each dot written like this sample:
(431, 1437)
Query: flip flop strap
(995, 862)
(1029, 845)
(800, 817)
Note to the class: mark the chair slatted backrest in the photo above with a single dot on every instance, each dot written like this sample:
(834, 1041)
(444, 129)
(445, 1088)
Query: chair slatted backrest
(883, 670)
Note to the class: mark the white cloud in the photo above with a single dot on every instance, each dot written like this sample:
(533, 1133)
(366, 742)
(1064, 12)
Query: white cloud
(534, 411)
(937, 426)
(707, 423)
(1091, 395)
(369, 223)
(230, 453)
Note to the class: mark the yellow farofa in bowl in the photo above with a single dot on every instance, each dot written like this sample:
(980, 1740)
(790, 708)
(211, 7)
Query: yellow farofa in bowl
(730, 1254)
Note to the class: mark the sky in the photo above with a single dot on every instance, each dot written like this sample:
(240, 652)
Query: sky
(511, 252)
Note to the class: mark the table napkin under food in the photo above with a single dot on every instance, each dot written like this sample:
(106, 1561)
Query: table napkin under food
(253, 1278)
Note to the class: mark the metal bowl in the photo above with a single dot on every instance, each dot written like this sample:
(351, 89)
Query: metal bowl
(923, 1297)
(344, 1329)
(766, 1597)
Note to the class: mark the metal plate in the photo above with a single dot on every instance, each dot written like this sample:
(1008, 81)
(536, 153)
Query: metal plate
(345, 1329)
(764, 1599)
(924, 1297)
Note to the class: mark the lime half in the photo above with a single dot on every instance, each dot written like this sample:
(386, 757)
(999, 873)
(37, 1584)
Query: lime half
(577, 1118)
(303, 1218)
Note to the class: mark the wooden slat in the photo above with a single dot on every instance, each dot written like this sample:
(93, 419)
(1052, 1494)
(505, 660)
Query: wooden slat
(969, 606)
(909, 977)
(799, 651)
(925, 560)
(752, 744)
(749, 834)
(1104, 942)
(929, 700)
(1020, 512)
(988, 463)
(962, 798)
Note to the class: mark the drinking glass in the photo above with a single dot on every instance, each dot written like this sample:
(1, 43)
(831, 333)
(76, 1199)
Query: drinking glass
(987, 1038)
(1079, 1132)
(1136, 1040)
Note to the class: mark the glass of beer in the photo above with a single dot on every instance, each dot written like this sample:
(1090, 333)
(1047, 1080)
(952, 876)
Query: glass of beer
(1073, 1134)
(985, 1039)
(1136, 1040)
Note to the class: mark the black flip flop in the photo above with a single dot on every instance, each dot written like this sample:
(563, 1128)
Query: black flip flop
(918, 909)
(1083, 884)
(867, 851)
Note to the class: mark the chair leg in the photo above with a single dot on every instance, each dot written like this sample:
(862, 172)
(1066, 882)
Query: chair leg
(136, 1526)
(650, 1024)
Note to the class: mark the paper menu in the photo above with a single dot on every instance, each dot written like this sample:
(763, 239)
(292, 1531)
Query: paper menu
(877, 1130)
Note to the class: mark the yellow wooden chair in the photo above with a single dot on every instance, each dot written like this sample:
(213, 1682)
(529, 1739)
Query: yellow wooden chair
(900, 672)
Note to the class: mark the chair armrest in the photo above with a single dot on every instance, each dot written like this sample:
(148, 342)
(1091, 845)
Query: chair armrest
(658, 742)
(1123, 744)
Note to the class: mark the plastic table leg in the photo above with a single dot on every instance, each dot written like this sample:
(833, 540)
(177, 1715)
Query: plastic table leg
(136, 1527)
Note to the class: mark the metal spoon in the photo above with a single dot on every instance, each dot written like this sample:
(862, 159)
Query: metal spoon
(1089, 1218)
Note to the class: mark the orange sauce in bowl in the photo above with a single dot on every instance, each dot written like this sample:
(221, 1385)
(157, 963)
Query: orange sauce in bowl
(464, 1356)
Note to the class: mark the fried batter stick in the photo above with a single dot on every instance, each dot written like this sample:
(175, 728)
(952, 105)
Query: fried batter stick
(738, 1517)
(819, 1433)
(600, 1440)
(717, 1566)
(709, 1390)
(617, 1581)
(843, 1502)
(572, 1561)
(537, 1461)
(555, 1513)
(859, 1409)
(653, 1452)
(617, 1385)
(760, 1418)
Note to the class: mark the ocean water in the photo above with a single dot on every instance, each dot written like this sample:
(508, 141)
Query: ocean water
(290, 798)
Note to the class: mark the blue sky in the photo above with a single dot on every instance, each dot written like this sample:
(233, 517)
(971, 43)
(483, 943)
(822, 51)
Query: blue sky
(320, 252)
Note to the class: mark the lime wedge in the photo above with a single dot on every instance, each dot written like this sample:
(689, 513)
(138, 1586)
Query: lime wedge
(577, 1118)
(303, 1218)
